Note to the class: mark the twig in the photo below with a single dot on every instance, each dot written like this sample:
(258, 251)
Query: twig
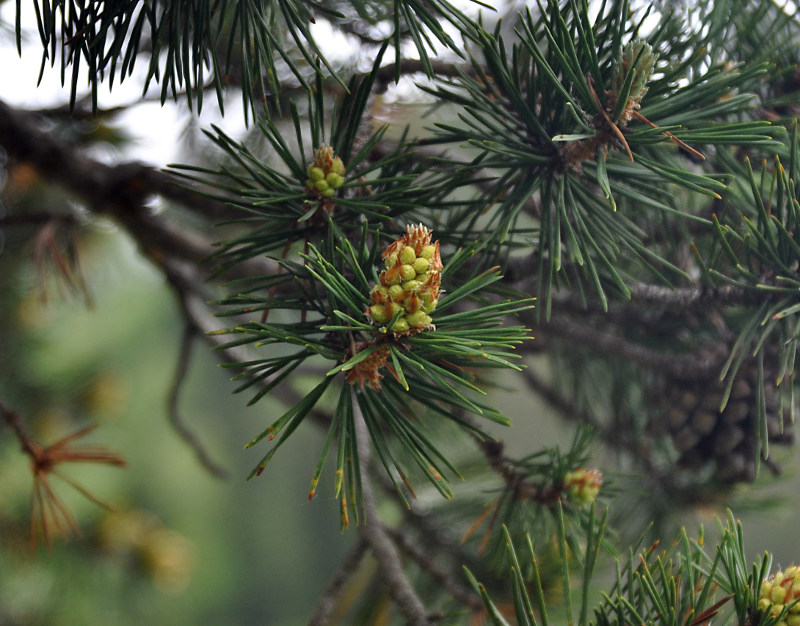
(677, 365)
(683, 298)
(519, 269)
(609, 123)
(327, 601)
(445, 580)
(120, 191)
(192, 299)
(37, 217)
(381, 545)
(673, 138)
(517, 482)
(185, 433)
(12, 419)
(563, 405)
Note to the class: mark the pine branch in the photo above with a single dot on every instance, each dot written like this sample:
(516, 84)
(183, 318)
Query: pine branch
(121, 191)
(184, 432)
(380, 543)
(585, 335)
(326, 604)
(693, 298)
(443, 578)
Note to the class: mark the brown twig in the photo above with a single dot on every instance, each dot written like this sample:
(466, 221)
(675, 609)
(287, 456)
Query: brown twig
(380, 543)
(184, 432)
(695, 153)
(610, 124)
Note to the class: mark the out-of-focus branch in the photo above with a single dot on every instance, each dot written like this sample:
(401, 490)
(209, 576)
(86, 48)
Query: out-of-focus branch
(387, 73)
(693, 297)
(186, 433)
(523, 488)
(327, 601)
(585, 335)
(37, 218)
(13, 421)
(192, 296)
(383, 549)
(120, 191)
(440, 576)
(520, 269)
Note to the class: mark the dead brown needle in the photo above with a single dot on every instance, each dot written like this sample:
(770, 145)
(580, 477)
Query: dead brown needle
(53, 516)
(611, 125)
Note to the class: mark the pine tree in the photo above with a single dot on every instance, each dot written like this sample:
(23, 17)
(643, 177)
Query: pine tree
(606, 213)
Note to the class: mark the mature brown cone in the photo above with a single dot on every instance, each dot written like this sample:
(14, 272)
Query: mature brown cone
(688, 412)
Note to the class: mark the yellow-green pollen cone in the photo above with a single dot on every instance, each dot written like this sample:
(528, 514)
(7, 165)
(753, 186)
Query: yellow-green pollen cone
(326, 173)
(781, 589)
(409, 284)
(582, 485)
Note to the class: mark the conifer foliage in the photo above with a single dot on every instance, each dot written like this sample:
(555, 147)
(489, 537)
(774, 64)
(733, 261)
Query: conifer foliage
(603, 209)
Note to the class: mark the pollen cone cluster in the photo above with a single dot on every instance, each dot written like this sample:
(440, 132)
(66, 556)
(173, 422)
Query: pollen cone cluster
(326, 173)
(776, 592)
(583, 485)
(409, 285)
(722, 441)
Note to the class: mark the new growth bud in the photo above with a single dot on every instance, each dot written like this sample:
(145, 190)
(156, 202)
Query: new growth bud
(326, 173)
(409, 285)
(583, 485)
(776, 592)
(640, 53)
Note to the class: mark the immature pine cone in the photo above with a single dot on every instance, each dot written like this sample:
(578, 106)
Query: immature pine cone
(409, 286)
(781, 589)
(325, 174)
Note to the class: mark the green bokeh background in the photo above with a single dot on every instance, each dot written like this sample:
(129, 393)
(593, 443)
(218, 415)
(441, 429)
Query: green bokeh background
(259, 551)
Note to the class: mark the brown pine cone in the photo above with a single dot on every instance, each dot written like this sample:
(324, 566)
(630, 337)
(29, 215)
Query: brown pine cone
(688, 412)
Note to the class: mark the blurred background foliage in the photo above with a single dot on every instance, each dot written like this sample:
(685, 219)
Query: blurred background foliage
(182, 546)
